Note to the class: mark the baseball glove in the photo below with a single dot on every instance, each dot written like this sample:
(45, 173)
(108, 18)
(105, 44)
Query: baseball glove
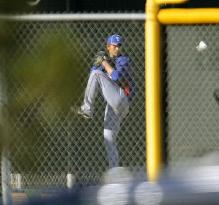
(99, 57)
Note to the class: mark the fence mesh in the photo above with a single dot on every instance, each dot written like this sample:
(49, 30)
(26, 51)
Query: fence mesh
(192, 78)
(47, 70)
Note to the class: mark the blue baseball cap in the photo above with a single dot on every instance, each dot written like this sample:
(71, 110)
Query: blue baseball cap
(115, 39)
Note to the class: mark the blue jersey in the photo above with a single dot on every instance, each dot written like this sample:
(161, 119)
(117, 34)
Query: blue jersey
(121, 73)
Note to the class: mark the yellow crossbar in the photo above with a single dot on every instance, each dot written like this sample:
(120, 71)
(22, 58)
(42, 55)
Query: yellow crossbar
(189, 16)
(170, 1)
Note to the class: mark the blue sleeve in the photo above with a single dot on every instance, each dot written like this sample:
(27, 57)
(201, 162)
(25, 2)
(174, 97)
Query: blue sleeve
(121, 66)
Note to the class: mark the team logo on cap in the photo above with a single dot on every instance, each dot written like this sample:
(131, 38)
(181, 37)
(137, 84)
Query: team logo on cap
(115, 39)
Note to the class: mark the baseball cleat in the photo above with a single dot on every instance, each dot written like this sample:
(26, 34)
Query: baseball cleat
(83, 114)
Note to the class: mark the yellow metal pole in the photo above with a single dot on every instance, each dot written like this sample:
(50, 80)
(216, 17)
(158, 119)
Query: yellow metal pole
(153, 92)
(153, 88)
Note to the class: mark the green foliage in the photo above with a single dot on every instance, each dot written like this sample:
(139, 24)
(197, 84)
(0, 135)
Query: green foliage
(12, 6)
(45, 82)
(4, 37)
(52, 77)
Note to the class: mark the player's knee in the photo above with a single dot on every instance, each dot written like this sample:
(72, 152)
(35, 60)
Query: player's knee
(121, 106)
(94, 72)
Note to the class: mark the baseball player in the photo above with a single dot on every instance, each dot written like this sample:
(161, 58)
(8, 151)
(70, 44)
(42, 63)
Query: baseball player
(111, 75)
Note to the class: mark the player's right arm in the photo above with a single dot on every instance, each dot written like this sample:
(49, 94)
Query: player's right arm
(108, 68)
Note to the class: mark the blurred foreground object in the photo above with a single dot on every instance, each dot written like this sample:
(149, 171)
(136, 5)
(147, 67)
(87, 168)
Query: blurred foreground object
(117, 175)
(192, 184)
(111, 194)
(117, 187)
(185, 185)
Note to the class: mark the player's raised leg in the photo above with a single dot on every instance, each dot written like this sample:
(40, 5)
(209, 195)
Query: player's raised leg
(112, 93)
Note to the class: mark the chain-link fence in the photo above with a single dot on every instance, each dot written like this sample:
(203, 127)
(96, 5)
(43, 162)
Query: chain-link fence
(47, 70)
(192, 79)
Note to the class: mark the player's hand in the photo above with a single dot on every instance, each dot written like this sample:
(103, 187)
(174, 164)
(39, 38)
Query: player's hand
(99, 58)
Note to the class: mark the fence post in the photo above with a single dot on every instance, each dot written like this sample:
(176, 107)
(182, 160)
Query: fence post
(6, 178)
(5, 163)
